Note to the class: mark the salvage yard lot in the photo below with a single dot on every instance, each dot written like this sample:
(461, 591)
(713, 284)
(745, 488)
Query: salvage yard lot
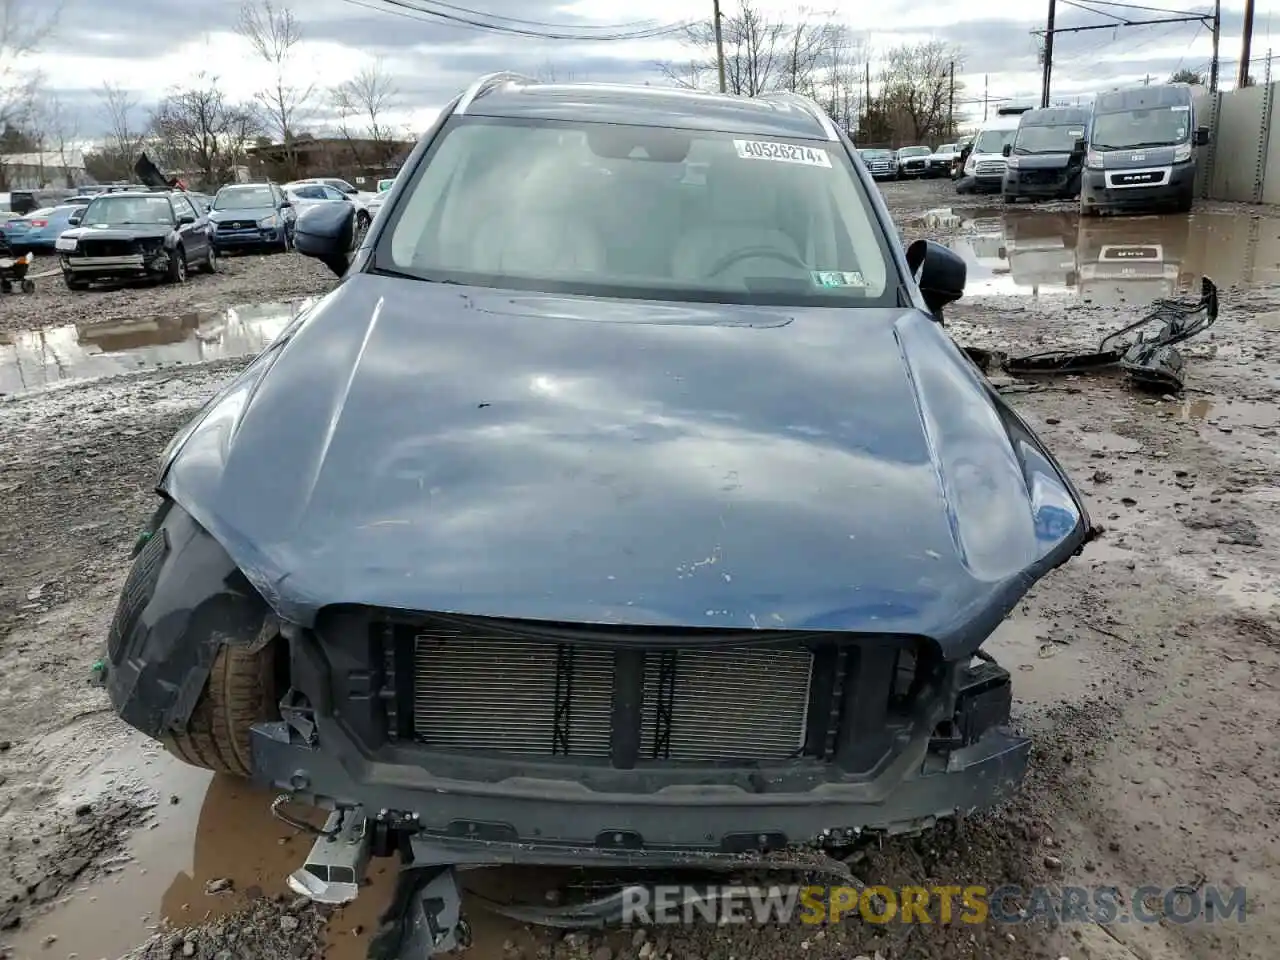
(1146, 669)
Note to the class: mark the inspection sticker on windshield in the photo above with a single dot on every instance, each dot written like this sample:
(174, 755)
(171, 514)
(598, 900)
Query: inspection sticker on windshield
(782, 152)
(837, 278)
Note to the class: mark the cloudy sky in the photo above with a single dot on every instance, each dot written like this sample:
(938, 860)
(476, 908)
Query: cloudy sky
(149, 45)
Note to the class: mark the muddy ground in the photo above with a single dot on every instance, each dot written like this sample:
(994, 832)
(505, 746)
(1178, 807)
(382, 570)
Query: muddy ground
(1146, 669)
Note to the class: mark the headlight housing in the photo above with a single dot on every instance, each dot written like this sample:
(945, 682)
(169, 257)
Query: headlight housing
(1011, 162)
(970, 165)
(1093, 160)
(1182, 153)
(66, 244)
(268, 221)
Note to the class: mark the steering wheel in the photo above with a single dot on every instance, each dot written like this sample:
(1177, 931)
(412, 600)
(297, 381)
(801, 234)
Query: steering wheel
(767, 253)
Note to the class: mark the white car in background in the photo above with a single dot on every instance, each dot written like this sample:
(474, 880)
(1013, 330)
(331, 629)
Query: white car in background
(309, 192)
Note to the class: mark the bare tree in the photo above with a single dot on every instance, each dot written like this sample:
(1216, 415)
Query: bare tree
(811, 53)
(362, 104)
(274, 34)
(124, 138)
(550, 72)
(755, 51)
(915, 90)
(24, 25)
(196, 128)
(55, 130)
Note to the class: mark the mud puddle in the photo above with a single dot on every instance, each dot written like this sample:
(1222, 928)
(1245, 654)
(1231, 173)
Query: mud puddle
(1108, 260)
(209, 832)
(1049, 664)
(35, 359)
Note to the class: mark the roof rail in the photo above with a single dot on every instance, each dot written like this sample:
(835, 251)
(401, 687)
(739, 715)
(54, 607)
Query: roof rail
(806, 104)
(486, 83)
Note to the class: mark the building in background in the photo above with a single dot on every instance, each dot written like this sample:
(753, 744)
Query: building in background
(34, 171)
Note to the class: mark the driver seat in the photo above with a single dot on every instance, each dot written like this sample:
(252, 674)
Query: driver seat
(743, 212)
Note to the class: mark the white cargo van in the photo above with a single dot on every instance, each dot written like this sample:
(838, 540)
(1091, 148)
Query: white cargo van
(984, 170)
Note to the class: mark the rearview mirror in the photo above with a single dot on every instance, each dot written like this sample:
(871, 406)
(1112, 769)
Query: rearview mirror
(940, 273)
(1202, 136)
(1008, 149)
(327, 233)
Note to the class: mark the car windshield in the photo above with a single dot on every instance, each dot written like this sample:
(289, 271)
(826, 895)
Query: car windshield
(876, 154)
(242, 198)
(993, 141)
(915, 151)
(639, 212)
(1059, 138)
(946, 148)
(1157, 127)
(115, 210)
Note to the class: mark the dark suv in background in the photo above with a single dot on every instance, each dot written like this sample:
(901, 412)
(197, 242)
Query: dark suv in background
(247, 215)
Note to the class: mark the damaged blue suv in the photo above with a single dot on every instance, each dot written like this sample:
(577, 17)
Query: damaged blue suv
(626, 503)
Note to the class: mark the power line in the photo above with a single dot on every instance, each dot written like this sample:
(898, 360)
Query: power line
(425, 14)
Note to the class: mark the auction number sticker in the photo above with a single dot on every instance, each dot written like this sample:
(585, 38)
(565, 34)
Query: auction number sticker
(782, 152)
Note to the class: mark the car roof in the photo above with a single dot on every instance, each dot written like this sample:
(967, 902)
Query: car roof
(769, 115)
(136, 193)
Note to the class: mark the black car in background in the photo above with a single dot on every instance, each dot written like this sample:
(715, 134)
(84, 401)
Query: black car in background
(158, 234)
(248, 215)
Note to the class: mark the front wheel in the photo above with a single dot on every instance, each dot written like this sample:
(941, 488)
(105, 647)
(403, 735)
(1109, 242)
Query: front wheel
(28, 286)
(73, 282)
(210, 264)
(177, 266)
(240, 692)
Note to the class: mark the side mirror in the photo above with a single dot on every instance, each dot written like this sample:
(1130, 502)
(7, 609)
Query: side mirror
(186, 219)
(327, 232)
(1081, 146)
(1008, 149)
(1202, 136)
(940, 274)
(74, 220)
(286, 204)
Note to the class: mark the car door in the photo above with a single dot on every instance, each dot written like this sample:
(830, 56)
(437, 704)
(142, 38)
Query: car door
(195, 232)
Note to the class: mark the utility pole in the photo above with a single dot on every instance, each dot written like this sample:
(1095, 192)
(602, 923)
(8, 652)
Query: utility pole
(715, 11)
(986, 77)
(868, 75)
(1246, 41)
(951, 104)
(1217, 36)
(1048, 55)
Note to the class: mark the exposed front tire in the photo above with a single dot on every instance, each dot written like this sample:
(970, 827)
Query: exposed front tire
(210, 264)
(241, 691)
(73, 282)
(177, 272)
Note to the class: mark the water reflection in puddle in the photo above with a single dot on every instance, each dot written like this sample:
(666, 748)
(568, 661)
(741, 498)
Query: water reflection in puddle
(1109, 260)
(39, 358)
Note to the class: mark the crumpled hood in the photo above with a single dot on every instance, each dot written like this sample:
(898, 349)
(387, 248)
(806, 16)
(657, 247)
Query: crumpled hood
(428, 446)
(140, 232)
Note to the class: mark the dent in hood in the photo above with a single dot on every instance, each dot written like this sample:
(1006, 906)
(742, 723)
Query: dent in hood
(421, 446)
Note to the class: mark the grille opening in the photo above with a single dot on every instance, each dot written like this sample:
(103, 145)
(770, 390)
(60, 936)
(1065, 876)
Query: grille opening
(478, 690)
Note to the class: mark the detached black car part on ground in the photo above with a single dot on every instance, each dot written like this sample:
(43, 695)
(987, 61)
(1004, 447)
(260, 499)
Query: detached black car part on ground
(1145, 349)
(544, 539)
